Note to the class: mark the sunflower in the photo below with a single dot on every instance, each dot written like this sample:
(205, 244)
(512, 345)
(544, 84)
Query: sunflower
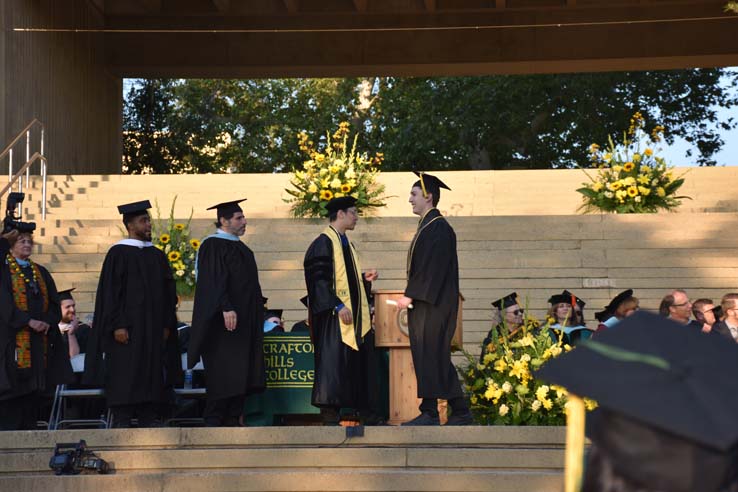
(174, 256)
(164, 239)
(326, 194)
(628, 167)
(179, 227)
(195, 244)
(345, 188)
(632, 191)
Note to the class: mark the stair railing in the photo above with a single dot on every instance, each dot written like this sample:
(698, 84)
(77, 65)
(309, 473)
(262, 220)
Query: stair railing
(26, 167)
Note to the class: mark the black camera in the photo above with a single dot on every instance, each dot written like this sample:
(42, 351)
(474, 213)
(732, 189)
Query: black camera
(75, 458)
(11, 222)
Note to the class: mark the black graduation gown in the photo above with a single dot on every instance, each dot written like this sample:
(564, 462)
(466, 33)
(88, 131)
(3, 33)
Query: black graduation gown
(41, 376)
(136, 291)
(228, 280)
(433, 284)
(339, 372)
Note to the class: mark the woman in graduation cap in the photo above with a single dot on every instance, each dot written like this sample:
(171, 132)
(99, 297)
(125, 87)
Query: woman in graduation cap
(33, 355)
(228, 319)
(508, 318)
(433, 291)
(566, 321)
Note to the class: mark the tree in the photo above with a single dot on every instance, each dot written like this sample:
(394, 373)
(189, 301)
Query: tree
(491, 122)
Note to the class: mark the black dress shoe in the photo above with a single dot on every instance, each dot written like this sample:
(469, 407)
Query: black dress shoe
(424, 419)
(463, 417)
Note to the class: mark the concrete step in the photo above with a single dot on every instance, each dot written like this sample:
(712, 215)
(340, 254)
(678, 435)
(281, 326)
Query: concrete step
(510, 459)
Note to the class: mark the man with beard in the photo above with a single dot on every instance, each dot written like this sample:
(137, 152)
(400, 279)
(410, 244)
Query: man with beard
(432, 299)
(74, 332)
(227, 319)
(340, 317)
(135, 325)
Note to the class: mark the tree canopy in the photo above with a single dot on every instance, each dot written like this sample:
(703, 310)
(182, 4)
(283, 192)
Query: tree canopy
(486, 122)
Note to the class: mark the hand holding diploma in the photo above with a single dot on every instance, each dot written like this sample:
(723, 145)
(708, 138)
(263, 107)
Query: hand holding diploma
(403, 302)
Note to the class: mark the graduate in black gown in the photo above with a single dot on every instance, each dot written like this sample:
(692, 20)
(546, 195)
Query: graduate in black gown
(33, 355)
(339, 314)
(228, 319)
(135, 325)
(433, 292)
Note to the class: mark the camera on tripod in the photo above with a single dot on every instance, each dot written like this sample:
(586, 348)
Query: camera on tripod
(13, 222)
(75, 458)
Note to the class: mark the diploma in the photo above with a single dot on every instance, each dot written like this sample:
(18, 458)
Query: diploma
(394, 303)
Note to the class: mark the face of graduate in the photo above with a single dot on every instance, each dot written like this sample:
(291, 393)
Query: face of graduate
(68, 310)
(140, 228)
(348, 218)
(23, 247)
(513, 316)
(563, 312)
(236, 225)
(420, 203)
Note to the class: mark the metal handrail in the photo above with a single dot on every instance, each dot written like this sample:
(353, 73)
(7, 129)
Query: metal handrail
(25, 169)
(20, 135)
(30, 159)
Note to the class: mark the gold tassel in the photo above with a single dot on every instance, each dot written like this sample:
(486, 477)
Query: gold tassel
(575, 417)
(422, 185)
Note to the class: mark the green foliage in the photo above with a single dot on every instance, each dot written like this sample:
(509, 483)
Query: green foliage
(491, 122)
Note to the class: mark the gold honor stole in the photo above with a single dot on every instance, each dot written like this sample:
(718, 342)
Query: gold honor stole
(340, 280)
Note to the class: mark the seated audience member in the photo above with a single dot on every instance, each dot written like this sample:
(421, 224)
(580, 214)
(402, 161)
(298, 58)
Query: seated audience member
(273, 321)
(704, 315)
(676, 306)
(578, 306)
(74, 332)
(621, 306)
(728, 327)
(507, 319)
(565, 321)
(303, 325)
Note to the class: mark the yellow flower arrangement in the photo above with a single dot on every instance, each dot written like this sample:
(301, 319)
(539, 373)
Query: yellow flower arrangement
(335, 170)
(626, 176)
(173, 238)
(502, 389)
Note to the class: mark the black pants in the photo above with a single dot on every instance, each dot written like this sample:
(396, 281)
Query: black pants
(224, 412)
(144, 412)
(19, 413)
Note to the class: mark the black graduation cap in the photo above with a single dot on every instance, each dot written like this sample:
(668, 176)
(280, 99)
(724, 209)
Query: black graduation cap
(228, 208)
(668, 418)
(270, 313)
(130, 210)
(341, 203)
(557, 298)
(66, 295)
(430, 184)
(612, 307)
(574, 298)
(507, 301)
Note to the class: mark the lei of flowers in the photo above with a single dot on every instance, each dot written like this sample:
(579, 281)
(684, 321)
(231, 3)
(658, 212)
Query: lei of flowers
(502, 389)
(332, 172)
(631, 178)
(173, 238)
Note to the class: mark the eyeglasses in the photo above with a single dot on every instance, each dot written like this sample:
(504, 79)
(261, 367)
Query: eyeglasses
(517, 312)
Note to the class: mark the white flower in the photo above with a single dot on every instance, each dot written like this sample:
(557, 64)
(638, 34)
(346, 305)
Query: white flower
(336, 183)
(525, 358)
(506, 387)
(638, 199)
(535, 406)
(503, 410)
(654, 182)
(609, 194)
(180, 273)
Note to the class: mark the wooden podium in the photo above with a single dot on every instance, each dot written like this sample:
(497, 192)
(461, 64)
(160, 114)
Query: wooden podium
(390, 327)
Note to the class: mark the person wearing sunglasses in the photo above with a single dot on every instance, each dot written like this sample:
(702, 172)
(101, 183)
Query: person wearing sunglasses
(703, 311)
(507, 319)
